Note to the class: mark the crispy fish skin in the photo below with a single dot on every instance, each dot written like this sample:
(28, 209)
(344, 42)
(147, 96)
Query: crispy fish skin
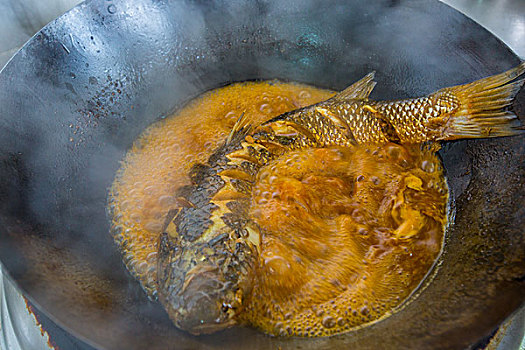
(209, 248)
(206, 247)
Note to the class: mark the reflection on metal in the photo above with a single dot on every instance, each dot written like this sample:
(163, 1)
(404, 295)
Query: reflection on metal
(504, 18)
(19, 328)
(510, 334)
(21, 19)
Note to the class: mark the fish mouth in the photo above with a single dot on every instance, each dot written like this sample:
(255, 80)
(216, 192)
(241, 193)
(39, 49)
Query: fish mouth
(202, 314)
(208, 328)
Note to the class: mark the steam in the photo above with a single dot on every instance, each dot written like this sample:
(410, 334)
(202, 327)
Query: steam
(67, 125)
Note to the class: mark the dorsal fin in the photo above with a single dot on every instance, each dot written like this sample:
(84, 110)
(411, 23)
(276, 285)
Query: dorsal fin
(241, 125)
(359, 90)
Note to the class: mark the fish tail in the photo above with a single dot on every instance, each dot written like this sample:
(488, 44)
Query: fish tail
(483, 107)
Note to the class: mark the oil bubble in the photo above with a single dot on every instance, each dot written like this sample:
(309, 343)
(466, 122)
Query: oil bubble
(304, 94)
(136, 217)
(265, 108)
(166, 201)
(427, 166)
(328, 322)
(364, 310)
(153, 226)
(362, 231)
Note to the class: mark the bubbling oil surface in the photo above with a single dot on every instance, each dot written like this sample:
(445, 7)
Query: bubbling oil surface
(347, 233)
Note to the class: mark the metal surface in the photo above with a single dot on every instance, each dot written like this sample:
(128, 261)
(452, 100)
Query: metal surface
(504, 18)
(21, 19)
(510, 335)
(80, 92)
(19, 328)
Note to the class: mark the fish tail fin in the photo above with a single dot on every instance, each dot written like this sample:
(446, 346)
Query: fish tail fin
(482, 107)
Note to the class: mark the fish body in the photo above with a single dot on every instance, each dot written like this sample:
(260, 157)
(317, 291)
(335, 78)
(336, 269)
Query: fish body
(209, 251)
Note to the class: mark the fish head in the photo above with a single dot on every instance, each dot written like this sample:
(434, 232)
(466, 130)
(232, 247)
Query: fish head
(205, 303)
(202, 288)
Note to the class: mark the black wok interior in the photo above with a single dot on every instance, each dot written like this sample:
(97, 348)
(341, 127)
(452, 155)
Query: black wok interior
(78, 94)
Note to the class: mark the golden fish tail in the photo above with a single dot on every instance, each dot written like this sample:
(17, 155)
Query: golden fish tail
(481, 108)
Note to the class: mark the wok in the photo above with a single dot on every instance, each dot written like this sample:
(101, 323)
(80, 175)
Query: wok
(76, 96)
